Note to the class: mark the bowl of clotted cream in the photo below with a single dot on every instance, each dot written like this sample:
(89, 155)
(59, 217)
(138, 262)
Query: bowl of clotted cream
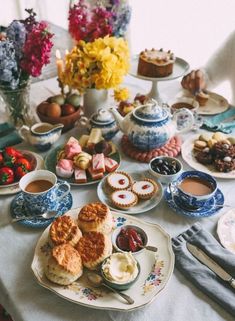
(120, 270)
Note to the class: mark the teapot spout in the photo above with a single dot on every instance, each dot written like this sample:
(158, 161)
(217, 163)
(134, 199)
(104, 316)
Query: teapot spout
(57, 127)
(119, 119)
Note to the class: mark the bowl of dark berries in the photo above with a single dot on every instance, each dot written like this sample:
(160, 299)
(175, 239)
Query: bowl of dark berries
(129, 238)
(166, 169)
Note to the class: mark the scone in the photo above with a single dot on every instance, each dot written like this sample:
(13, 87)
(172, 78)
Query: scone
(64, 266)
(94, 247)
(95, 217)
(64, 230)
(124, 199)
(119, 180)
(145, 189)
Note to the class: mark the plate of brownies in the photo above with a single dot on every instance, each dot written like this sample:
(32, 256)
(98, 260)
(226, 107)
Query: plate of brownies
(211, 153)
(85, 161)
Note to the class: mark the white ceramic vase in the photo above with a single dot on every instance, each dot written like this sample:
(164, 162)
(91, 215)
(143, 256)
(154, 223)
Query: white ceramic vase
(93, 100)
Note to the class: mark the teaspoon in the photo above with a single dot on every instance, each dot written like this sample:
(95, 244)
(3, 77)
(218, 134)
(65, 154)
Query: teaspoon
(149, 247)
(45, 216)
(97, 281)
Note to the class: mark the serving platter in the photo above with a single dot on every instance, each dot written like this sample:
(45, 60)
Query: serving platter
(188, 156)
(104, 192)
(14, 188)
(51, 159)
(216, 103)
(156, 270)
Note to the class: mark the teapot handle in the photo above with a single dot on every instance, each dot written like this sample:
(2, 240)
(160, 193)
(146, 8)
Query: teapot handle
(24, 132)
(184, 119)
(83, 121)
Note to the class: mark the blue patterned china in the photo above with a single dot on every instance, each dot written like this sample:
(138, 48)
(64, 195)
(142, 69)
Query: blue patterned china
(104, 120)
(211, 207)
(41, 135)
(151, 126)
(17, 209)
(41, 191)
(193, 189)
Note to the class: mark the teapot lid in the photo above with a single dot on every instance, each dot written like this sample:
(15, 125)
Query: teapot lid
(151, 112)
(103, 116)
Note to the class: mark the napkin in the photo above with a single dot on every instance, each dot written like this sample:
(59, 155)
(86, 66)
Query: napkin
(218, 122)
(200, 275)
(8, 135)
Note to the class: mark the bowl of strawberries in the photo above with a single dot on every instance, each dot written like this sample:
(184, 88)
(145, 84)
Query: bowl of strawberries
(14, 164)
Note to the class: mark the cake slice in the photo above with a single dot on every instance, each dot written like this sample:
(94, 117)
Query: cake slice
(95, 176)
(80, 175)
(98, 165)
(110, 164)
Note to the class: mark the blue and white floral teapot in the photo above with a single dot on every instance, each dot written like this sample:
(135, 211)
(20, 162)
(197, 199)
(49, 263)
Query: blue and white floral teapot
(151, 126)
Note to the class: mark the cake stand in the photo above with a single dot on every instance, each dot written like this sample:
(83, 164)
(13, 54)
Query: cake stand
(179, 69)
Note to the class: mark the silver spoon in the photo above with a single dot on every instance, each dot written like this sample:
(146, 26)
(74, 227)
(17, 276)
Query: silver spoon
(97, 281)
(45, 216)
(149, 247)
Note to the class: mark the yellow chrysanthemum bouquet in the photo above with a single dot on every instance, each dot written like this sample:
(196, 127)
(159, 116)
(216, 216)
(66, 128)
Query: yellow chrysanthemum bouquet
(101, 64)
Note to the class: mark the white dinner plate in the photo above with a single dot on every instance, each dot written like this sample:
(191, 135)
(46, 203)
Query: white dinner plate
(156, 270)
(142, 206)
(188, 156)
(226, 230)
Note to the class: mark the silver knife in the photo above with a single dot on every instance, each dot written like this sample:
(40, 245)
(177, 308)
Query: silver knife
(211, 264)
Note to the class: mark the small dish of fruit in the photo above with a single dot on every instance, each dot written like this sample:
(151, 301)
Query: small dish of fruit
(129, 238)
(14, 164)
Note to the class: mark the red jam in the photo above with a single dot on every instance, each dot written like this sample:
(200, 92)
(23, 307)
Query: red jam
(145, 186)
(121, 181)
(122, 196)
(129, 240)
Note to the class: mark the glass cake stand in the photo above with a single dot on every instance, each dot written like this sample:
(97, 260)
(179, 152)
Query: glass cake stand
(180, 68)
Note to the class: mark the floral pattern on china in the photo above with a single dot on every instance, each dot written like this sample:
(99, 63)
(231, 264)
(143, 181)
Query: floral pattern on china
(151, 125)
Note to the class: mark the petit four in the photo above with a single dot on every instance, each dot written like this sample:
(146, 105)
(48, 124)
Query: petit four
(124, 199)
(64, 168)
(144, 189)
(94, 247)
(80, 175)
(64, 266)
(119, 180)
(72, 148)
(98, 163)
(93, 175)
(110, 164)
(155, 63)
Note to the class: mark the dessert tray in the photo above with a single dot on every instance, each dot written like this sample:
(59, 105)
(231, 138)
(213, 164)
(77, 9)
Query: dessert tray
(226, 230)
(188, 156)
(216, 104)
(156, 270)
(50, 164)
(37, 163)
(142, 206)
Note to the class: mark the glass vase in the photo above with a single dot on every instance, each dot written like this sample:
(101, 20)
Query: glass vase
(17, 104)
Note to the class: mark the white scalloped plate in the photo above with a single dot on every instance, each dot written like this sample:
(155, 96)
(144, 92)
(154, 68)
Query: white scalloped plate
(226, 230)
(156, 270)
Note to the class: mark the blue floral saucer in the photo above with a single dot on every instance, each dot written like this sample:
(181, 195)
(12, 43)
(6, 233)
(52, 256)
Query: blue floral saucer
(17, 210)
(213, 206)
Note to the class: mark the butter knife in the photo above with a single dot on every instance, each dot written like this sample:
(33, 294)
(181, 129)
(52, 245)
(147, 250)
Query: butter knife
(211, 264)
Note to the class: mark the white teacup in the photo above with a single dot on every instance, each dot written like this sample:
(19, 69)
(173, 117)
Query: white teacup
(42, 192)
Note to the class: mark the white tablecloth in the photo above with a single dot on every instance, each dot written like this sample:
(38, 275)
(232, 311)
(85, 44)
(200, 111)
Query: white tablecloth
(26, 300)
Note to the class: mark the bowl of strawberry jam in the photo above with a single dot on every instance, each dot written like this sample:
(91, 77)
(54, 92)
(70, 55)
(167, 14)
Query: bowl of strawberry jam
(129, 238)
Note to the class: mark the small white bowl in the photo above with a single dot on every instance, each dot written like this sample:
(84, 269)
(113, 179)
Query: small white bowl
(139, 230)
(165, 178)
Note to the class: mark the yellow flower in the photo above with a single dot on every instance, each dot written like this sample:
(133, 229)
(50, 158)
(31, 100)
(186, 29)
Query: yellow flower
(121, 94)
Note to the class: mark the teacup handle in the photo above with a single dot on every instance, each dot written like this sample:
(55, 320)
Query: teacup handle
(190, 122)
(172, 190)
(58, 187)
(24, 132)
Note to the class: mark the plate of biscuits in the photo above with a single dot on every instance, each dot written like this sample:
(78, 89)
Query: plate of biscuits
(130, 193)
(211, 153)
(83, 161)
(79, 242)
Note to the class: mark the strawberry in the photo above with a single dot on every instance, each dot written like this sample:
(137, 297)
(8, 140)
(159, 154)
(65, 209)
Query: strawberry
(6, 175)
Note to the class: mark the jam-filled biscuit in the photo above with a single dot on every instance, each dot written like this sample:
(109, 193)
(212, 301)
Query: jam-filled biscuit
(124, 199)
(119, 180)
(144, 189)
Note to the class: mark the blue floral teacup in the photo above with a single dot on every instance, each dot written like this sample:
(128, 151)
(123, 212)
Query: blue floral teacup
(42, 192)
(193, 189)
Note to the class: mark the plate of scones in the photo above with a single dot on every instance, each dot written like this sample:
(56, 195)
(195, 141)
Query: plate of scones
(131, 193)
(211, 153)
(78, 243)
(84, 161)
